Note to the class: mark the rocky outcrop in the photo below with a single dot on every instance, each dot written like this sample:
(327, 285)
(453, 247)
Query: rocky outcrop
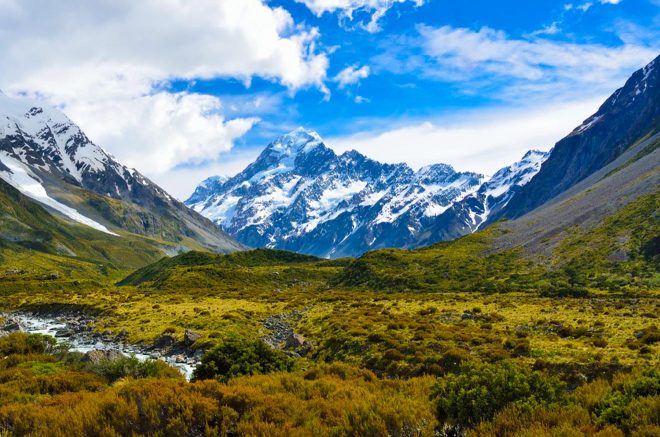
(164, 341)
(282, 336)
(297, 343)
(9, 325)
(190, 337)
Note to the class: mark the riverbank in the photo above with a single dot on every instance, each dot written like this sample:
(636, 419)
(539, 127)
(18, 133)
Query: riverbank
(77, 331)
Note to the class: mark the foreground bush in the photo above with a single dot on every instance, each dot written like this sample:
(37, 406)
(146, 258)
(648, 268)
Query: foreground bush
(237, 357)
(132, 367)
(20, 343)
(327, 400)
(481, 391)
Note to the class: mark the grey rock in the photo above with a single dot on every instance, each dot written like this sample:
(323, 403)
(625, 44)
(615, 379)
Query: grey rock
(164, 341)
(190, 337)
(98, 356)
(64, 333)
(298, 344)
(11, 325)
(294, 341)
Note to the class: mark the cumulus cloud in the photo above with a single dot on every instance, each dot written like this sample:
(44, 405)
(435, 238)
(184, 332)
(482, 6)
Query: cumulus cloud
(106, 63)
(479, 140)
(351, 75)
(169, 129)
(347, 9)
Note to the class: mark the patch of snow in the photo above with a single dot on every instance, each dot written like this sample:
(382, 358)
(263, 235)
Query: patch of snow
(587, 124)
(23, 180)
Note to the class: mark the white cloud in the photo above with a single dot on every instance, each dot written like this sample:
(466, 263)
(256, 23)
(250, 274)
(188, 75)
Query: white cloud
(492, 51)
(551, 29)
(184, 180)
(488, 61)
(105, 62)
(167, 129)
(584, 7)
(347, 8)
(351, 75)
(480, 140)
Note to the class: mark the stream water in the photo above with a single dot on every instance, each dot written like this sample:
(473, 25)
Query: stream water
(84, 342)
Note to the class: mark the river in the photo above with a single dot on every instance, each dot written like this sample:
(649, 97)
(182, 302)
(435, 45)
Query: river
(84, 342)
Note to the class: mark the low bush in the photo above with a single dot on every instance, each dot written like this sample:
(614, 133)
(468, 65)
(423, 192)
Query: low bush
(132, 367)
(236, 357)
(481, 391)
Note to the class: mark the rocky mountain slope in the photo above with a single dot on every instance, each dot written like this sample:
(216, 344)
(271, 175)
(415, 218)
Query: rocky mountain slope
(49, 159)
(631, 113)
(299, 195)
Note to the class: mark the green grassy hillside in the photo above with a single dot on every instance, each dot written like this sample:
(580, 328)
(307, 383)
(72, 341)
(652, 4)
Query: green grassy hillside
(269, 269)
(28, 229)
(618, 254)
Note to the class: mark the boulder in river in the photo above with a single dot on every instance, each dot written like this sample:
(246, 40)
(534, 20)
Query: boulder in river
(11, 325)
(190, 337)
(164, 341)
(98, 356)
(64, 333)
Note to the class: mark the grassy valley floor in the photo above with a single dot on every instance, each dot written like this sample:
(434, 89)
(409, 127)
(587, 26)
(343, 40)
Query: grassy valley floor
(454, 339)
(379, 363)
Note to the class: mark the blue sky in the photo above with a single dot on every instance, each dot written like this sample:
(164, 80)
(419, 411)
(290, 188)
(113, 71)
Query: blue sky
(474, 84)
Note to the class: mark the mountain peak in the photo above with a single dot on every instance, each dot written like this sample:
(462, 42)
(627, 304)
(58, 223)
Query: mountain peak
(436, 169)
(533, 152)
(299, 195)
(214, 180)
(299, 140)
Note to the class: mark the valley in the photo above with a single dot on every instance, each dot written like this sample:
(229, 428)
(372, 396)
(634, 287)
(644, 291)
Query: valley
(325, 294)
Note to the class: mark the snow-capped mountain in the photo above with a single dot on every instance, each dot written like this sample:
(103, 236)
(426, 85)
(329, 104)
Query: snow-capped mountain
(300, 195)
(496, 192)
(49, 158)
(628, 115)
(472, 212)
(44, 139)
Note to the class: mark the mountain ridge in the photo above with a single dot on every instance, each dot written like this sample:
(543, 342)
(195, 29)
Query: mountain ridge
(626, 116)
(49, 158)
(300, 195)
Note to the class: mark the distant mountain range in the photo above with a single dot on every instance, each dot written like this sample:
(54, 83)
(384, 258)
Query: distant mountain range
(301, 196)
(62, 194)
(47, 158)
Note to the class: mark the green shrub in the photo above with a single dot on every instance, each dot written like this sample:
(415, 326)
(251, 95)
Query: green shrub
(20, 343)
(479, 392)
(633, 403)
(236, 357)
(132, 367)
